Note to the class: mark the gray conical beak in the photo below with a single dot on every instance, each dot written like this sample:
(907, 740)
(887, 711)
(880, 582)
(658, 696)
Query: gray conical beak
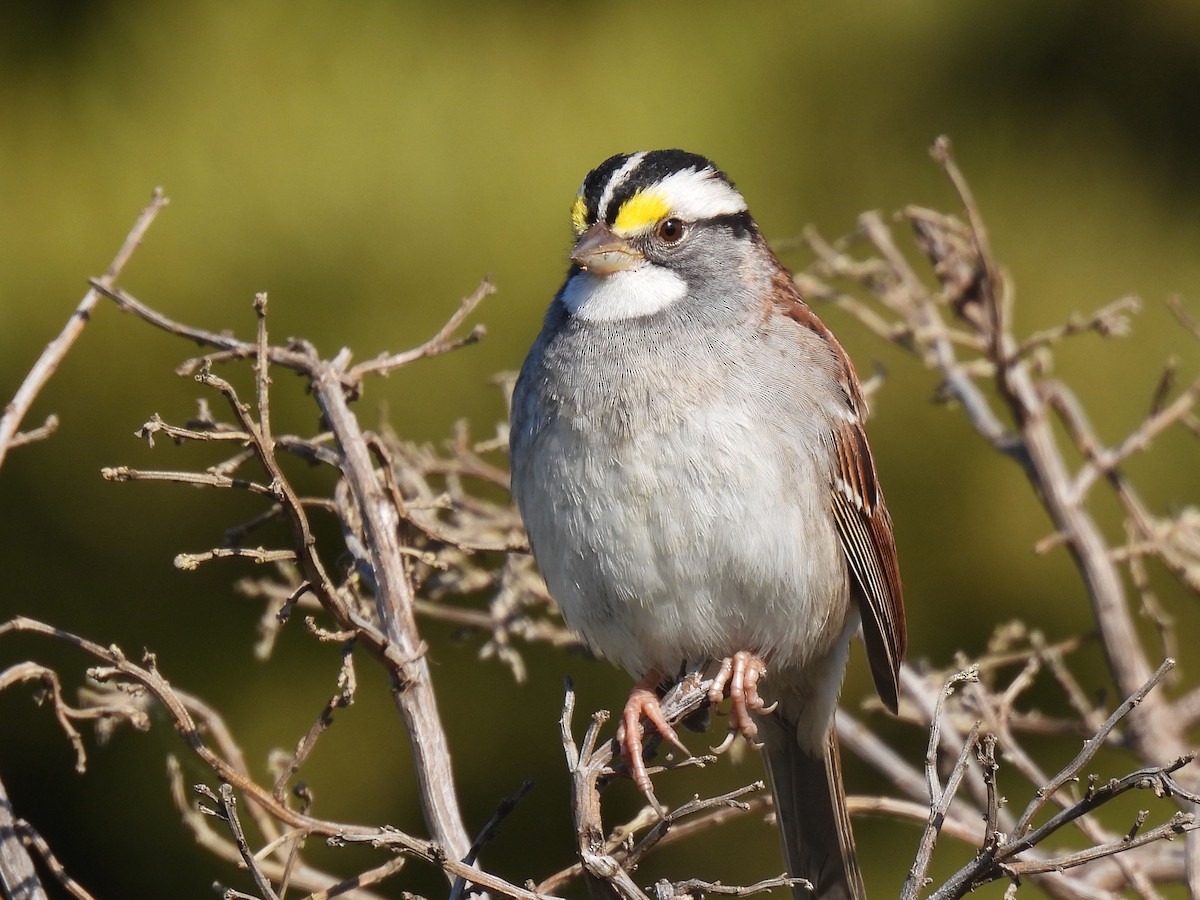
(601, 252)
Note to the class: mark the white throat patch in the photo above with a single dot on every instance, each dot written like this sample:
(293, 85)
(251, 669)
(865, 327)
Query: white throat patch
(629, 294)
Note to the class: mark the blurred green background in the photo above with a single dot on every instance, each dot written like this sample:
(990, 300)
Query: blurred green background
(368, 164)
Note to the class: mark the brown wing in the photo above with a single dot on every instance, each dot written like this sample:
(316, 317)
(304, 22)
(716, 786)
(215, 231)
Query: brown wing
(861, 516)
(866, 532)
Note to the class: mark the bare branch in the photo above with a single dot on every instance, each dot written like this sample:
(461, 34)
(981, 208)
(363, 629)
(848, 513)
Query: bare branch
(1109, 321)
(228, 812)
(57, 349)
(351, 887)
(930, 698)
(695, 887)
(940, 800)
(302, 875)
(119, 666)
(1180, 823)
(61, 875)
(730, 800)
(507, 805)
(1106, 462)
(202, 479)
(997, 860)
(1090, 747)
(442, 342)
(1186, 319)
(66, 714)
(399, 645)
(347, 684)
(18, 878)
(189, 562)
(43, 431)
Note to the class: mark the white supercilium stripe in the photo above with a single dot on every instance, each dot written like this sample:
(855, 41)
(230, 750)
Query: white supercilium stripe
(694, 195)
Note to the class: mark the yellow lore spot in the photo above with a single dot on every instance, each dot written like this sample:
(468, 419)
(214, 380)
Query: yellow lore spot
(641, 211)
(579, 215)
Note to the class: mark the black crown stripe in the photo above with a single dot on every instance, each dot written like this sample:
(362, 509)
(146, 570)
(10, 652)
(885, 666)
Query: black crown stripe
(654, 167)
(657, 165)
(597, 180)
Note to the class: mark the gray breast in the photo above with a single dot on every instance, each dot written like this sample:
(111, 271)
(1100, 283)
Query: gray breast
(661, 468)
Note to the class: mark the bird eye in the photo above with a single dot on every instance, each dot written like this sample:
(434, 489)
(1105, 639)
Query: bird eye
(670, 231)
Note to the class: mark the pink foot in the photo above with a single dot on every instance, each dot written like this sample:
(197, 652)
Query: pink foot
(740, 673)
(643, 704)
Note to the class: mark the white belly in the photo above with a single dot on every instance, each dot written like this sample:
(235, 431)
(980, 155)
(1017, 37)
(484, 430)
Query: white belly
(687, 544)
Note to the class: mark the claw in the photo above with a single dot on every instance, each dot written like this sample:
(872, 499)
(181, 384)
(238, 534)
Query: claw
(741, 673)
(726, 743)
(659, 809)
(643, 704)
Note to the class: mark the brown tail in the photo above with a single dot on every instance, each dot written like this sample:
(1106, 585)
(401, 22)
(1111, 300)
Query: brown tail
(810, 805)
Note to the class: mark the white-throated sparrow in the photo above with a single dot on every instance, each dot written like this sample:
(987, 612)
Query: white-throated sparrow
(689, 457)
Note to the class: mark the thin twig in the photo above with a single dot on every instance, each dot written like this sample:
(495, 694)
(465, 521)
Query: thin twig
(228, 812)
(1089, 749)
(189, 562)
(730, 800)
(503, 811)
(347, 684)
(119, 666)
(987, 762)
(57, 349)
(1105, 462)
(353, 886)
(940, 803)
(696, 887)
(1186, 319)
(43, 431)
(202, 479)
(222, 847)
(262, 373)
(1109, 321)
(1180, 823)
(441, 342)
(61, 875)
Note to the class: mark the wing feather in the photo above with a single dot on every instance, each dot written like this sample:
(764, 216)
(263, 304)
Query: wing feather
(865, 528)
(860, 514)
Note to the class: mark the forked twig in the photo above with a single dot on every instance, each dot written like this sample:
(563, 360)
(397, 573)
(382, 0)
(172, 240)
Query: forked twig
(227, 811)
(442, 342)
(996, 860)
(1089, 749)
(118, 666)
(57, 349)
